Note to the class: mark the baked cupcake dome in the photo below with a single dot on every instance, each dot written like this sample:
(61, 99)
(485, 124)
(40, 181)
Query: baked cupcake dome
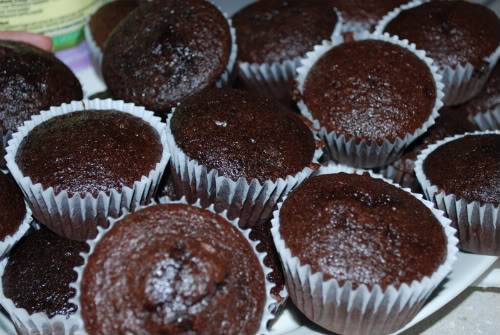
(469, 190)
(115, 160)
(242, 136)
(108, 150)
(463, 38)
(107, 17)
(25, 92)
(354, 285)
(193, 265)
(165, 51)
(35, 283)
(273, 31)
(12, 206)
(370, 97)
(468, 34)
(360, 15)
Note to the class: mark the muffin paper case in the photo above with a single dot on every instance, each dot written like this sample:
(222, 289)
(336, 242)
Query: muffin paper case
(38, 323)
(274, 78)
(366, 154)
(267, 315)
(225, 79)
(252, 202)
(488, 120)
(462, 82)
(346, 310)
(405, 178)
(76, 216)
(478, 224)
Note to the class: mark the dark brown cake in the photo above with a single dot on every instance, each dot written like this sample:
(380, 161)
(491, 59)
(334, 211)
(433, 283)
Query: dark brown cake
(468, 167)
(89, 151)
(107, 17)
(183, 270)
(241, 135)
(363, 230)
(370, 90)
(364, 14)
(451, 32)
(276, 30)
(451, 121)
(165, 51)
(489, 97)
(39, 271)
(31, 80)
(12, 206)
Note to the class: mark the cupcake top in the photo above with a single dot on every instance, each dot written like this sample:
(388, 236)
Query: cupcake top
(107, 17)
(363, 230)
(451, 32)
(364, 14)
(489, 97)
(370, 90)
(23, 91)
(184, 270)
(165, 51)
(39, 270)
(89, 151)
(277, 30)
(468, 167)
(12, 206)
(242, 136)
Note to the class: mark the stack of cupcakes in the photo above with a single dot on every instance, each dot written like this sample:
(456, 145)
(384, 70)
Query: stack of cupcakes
(251, 217)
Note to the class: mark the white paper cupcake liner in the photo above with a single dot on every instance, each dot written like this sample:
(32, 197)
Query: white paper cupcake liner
(275, 78)
(351, 151)
(478, 224)
(9, 241)
(269, 303)
(461, 83)
(76, 216)
(488, 120)
(250, 201)
(402, 177)
(345, 310)
(37, 323)
(225, 79)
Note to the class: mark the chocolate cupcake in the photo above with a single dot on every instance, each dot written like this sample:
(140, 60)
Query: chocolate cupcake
(189, 271)
(463, 38)
(451, 121)
(14, 217)
(273, 35)
(35, 282)
(362, 15)
(383, 95)
(82, 162)
(485, 107)
(165, 51)
(461, 174)
(238, 151)
(102, 23)
(356, 248)
(25, 92)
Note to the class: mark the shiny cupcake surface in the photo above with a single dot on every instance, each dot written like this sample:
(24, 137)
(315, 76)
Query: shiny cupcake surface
(32, 80)
(242, 135)
(370, 90)
(89, 151)
(468, 167)
(362, 230)
(39, 272)
(451, 32)
(277, 30)
(183, 270)
(165, 51)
